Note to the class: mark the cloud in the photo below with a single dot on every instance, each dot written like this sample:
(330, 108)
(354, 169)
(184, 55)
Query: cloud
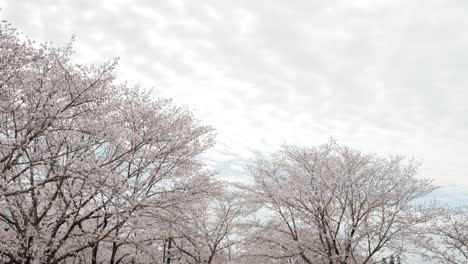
(382, 76)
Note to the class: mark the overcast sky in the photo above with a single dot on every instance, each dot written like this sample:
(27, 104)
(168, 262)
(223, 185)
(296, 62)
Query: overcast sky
(382, 76)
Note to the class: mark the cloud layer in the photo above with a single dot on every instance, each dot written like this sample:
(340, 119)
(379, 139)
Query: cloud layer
(384, 76)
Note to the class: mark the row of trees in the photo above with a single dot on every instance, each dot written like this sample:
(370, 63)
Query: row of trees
(97, 172)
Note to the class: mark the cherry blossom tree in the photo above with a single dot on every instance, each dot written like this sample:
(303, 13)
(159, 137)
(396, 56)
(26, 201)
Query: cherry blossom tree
(82, 158)
(332, 204)
(210, 230)
(144, 238)
(445, 239)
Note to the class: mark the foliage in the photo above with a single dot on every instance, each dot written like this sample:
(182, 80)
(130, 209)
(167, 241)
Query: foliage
(83, 161)
(333, 204)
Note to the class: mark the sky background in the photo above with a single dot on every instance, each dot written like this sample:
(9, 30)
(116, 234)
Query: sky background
(387, 77)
